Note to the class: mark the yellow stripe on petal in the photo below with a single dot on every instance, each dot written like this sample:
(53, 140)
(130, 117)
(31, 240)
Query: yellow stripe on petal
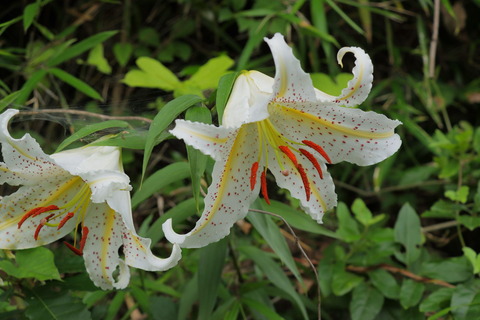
(107, 235)
(340, 128)
(21, 151)
(224, 182)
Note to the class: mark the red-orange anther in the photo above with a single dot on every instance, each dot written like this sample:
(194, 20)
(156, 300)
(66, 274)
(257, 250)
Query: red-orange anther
(35, 212)
(304, 177)
(67, 217)
(40, 226)
(253, 175)
(79, 252)
(317, 148)
(289, 154)
(263, 179)
(313, 160)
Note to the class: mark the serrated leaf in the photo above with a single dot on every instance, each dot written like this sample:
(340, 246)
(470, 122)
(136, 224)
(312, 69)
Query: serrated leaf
(366, 302)
(437, 300)
(470, 222)
(459, 195)
(473, 257)
(408, 232)
(59, 307)
(385, 282)
(361, 212)
(89, 129)
(347, 226)
(162, 120)
(76, 83)
(343, 281)
(410, 293)
(35, 263)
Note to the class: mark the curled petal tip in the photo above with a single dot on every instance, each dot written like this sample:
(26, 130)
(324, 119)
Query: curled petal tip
(171, 235)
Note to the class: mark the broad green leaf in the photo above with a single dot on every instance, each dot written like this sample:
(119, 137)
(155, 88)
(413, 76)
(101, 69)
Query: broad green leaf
(437, 300)
(152, 74)
(61, 306)
(162, 120)
(366, 302)
(122, 52)
(275, 274)
(462, 297)
(197, 160)
(343, 281)
(442, 209)
(347, 226)
(456, 269)
(163, 308)
(225, 85)
(114, 305)
(35, 263)
(89, 129)
(272, 235)
(188, 298)
(209, 74)
(410, 293)
(296, 218)
(80, 47)
(459, 195)
(385, 282)
(128, 138)
(470, 222)
(325, 83)
(361, 212)
(29, 85)
(473, 257)
(212, 261)
(29, 14)
(76, 83)
(160, 179)
(96, 58)
(408, 233)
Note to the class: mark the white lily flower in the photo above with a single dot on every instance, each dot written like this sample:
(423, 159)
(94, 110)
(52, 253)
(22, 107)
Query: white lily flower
(287, 126)
(83, 189)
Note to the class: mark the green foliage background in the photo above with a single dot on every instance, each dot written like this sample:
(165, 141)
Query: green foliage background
(403, 242)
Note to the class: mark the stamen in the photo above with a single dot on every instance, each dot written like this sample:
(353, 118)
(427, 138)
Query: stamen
(317, 148)
(79, 252)
(40, 226)
(74, 250)
(313, 160)
(263, 179)
(304, 177)
(289, 154)
(67, 217)
(35, 212)
(253, 175)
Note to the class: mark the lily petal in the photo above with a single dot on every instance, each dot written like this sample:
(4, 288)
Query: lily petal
(292, 84)
(138, 254)
(105, 183)
(229, 195)
(101, 248)
(55, 190)
(322, 194)
(346, 134)
(24, 154)
(211, 140)
(248, 101)
(85, 158)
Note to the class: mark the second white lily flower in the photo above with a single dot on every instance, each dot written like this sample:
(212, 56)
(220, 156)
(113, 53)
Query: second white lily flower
(289, 127)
